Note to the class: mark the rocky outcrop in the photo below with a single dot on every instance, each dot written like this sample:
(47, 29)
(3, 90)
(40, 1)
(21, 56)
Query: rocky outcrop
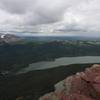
(82, 86)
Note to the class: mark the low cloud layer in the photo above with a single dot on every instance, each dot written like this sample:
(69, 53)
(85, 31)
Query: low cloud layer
(51, 16)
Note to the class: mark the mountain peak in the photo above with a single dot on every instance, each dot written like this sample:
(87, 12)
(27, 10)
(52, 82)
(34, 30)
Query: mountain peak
(8, 38)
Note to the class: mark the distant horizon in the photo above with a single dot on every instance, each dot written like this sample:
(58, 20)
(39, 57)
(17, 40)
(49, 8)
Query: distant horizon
(55, 34)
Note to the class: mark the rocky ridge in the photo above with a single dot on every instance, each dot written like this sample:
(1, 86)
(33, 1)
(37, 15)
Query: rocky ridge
(8, 38)
(81, 86)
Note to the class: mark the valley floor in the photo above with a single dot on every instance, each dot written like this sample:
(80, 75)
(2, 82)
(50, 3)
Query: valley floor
(32, 85)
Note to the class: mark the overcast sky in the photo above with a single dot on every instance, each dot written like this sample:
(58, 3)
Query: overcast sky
(70, 17)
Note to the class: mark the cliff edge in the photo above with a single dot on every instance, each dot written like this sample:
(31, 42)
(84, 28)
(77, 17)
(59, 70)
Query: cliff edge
(81, 86)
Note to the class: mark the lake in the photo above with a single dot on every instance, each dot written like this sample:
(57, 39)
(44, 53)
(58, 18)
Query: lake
(60, 61)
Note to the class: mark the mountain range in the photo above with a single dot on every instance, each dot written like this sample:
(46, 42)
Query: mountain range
(9, 38)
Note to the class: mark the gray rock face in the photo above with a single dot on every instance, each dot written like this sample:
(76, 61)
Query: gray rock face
(82, 86)
(8, 38)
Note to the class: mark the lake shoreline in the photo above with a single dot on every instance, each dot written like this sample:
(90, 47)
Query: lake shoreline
(42, 65)
(36, 83)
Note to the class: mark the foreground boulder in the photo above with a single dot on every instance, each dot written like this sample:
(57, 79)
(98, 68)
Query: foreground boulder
(82, 86)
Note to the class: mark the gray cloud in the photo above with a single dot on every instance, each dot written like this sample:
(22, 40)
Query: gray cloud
(35, 11)
(50, 15)
(16, 6)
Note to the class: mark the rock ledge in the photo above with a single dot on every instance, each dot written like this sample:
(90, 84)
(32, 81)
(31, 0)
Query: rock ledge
(81, 86)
